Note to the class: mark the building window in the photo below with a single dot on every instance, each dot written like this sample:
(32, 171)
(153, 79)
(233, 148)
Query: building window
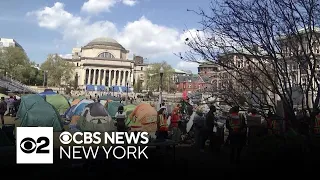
(189, 85)
(77, 64)
(106, 55)
(141, 68)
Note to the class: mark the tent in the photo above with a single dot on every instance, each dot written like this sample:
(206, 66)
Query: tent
(95, 118)
(77, 110)
(59, 102)
(68, 113)
(108, 97)
(144, 115)
(35, 111)
(128, 109)
(112, 107)
(45, 93)
(76, 101)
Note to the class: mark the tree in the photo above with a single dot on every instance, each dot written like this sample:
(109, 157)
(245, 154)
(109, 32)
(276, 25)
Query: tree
(153, 76)
(138, 86)
(273, 38)
(15, 63)
(58, 70)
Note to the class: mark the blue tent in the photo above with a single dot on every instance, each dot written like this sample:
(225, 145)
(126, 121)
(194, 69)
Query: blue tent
(77, 110)
(68, 114)
(45, 93)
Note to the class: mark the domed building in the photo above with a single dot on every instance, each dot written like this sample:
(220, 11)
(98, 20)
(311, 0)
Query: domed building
(103, 64)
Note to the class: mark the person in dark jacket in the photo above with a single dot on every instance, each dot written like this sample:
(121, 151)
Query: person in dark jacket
(3, 109)
(199, 123)
(211, 122)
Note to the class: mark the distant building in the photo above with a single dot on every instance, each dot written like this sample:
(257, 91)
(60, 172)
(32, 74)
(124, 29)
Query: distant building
(5, 42)
(189, 82)
(140, 68)
(103, 64)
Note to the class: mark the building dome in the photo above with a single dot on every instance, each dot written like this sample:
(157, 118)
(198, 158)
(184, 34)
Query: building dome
(104, 41)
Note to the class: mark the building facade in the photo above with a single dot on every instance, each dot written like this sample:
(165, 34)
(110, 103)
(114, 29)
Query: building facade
(189, 83)
(6, 42)
(103, 63)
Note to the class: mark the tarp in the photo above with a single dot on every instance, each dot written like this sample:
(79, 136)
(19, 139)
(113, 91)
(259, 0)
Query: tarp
(80, 107)
(112, 108)
(35, 111)
(95, 118)
(59, 102)
(144, 115)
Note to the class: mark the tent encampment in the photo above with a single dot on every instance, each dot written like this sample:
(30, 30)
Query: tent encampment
(112, 107)
(35, 111)
(95, 118)
(59, 102)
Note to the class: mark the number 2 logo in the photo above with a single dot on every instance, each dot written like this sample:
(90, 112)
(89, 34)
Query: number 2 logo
(29, 145)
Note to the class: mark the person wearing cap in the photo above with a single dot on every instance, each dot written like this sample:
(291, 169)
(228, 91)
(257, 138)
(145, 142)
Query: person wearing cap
(162, 126)
(120, 119)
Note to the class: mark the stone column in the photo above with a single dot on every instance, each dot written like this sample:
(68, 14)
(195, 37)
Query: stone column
(103, 77)
(131, 78)
(122, 78)
(109, 82)
(99, 77)
(94, 77)
(119, 76)
(89, 76)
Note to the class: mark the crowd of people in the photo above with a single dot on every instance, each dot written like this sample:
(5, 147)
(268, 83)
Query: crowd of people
(9, 107)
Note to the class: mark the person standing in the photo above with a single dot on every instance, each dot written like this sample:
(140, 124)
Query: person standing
(3, 109)
(211, 122)
(162, 126)
(237, 133)
(199, 123)
(174, 125)
(120, 117)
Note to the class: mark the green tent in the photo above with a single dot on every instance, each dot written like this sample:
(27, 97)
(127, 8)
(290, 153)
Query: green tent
(35, 111)
(59, 102)
(113, 108)
(128, 110)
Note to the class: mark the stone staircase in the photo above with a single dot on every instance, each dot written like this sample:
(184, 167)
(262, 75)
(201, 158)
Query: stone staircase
(15, 86)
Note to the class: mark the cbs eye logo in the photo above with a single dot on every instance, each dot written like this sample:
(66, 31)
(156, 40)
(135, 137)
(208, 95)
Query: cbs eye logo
(29, 145)
(65, 138)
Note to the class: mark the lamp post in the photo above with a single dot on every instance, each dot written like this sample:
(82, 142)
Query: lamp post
(127, 91)
(44, 78)
(161, 83)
